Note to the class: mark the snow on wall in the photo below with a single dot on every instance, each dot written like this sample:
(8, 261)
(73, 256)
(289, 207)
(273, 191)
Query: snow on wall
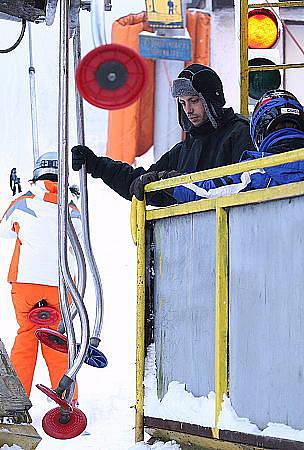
(177, 404)
(229, 420)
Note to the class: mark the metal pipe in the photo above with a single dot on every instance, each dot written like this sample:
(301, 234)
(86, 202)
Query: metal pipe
(81, 270)
(244, 75)
(81, 266)
(98, 23)
(67, 320)
(63, 198)
(33, 97)
(95, 338)
(290, 4)
(276, 66)
(140, 320)
(222, 311)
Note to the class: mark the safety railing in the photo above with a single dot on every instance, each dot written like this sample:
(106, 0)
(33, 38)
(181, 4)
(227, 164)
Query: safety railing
(141, 215)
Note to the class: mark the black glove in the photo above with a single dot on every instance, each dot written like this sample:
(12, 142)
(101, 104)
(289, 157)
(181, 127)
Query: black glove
(83, 155)
(137, 185)
(168, 174)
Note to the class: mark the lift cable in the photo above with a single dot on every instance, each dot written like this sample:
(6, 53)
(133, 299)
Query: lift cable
(10, 49)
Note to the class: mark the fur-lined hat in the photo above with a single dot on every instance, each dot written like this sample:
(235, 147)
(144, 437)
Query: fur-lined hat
(202, 81)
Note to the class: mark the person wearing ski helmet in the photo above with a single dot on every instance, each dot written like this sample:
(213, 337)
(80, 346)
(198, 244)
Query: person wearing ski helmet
(277, 122)
(32, 221)
(277, 126)
(214, 136)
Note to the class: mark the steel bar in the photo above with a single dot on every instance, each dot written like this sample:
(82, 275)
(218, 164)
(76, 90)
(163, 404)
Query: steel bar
(95, 338)
(63, 198)
(33, 97)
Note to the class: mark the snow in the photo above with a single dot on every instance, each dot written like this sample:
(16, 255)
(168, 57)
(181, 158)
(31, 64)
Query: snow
(14, 447)
(157, 446)
(177, 404)
(229, 420)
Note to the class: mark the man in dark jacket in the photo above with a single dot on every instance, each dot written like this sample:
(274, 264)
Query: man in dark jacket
(277, 125)
(214, 136)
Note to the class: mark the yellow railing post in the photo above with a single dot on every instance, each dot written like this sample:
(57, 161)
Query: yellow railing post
(222, 310)
(133, 219)
(140, 320)
(244, 71)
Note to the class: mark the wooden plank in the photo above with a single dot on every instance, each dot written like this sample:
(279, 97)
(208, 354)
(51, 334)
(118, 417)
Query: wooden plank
(13, 398)
(197, 437)
(23, 435)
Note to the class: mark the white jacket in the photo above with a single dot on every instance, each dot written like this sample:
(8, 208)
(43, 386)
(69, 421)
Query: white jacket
(32, 220)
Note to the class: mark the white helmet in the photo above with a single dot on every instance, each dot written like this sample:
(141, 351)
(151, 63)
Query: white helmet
(46, 164)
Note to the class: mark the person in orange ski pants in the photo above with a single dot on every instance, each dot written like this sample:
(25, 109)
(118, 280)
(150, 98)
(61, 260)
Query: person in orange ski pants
(31, 220)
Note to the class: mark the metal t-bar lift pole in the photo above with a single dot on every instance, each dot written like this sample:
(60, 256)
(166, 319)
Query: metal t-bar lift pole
(95, 338)
(66, 283)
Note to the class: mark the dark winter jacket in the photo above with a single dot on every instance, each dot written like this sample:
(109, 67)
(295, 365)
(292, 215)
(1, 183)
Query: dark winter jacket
(203, 148)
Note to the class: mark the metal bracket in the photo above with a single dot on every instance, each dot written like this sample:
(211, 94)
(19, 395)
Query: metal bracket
(107, 5)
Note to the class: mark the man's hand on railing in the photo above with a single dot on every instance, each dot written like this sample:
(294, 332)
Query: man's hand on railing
(138, 185)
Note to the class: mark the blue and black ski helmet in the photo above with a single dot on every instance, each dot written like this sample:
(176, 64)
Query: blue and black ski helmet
(273, 108)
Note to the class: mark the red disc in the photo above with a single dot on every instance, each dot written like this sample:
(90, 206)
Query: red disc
(44, 315)
(52, 426)
(53, 395)
(111, 76)
(53, 339)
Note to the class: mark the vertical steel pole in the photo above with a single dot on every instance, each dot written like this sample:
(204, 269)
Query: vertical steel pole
(244, 57)
(140, 321)
(66, 281)
(33, 97)
(167, 131)
(63, 171)
(222, 310)
(98, 23)
(95, 338)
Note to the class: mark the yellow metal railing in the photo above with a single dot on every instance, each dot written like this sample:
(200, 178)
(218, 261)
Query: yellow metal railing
(269, 161)
(244, 64)
(140, 321)
(222, 309)
(220, 205)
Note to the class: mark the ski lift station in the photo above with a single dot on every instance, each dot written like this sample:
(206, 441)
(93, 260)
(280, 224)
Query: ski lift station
(220, 281)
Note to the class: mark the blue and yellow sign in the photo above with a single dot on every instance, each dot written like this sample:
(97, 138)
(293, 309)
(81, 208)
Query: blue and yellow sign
(165, 13)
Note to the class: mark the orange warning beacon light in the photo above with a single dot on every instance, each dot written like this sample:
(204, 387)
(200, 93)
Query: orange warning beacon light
(111, 76)
(263, 29)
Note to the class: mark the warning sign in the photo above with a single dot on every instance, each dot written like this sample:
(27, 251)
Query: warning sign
(165, 13)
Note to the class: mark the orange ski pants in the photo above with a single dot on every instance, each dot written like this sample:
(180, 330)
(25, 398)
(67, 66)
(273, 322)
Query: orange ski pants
(25, 348)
